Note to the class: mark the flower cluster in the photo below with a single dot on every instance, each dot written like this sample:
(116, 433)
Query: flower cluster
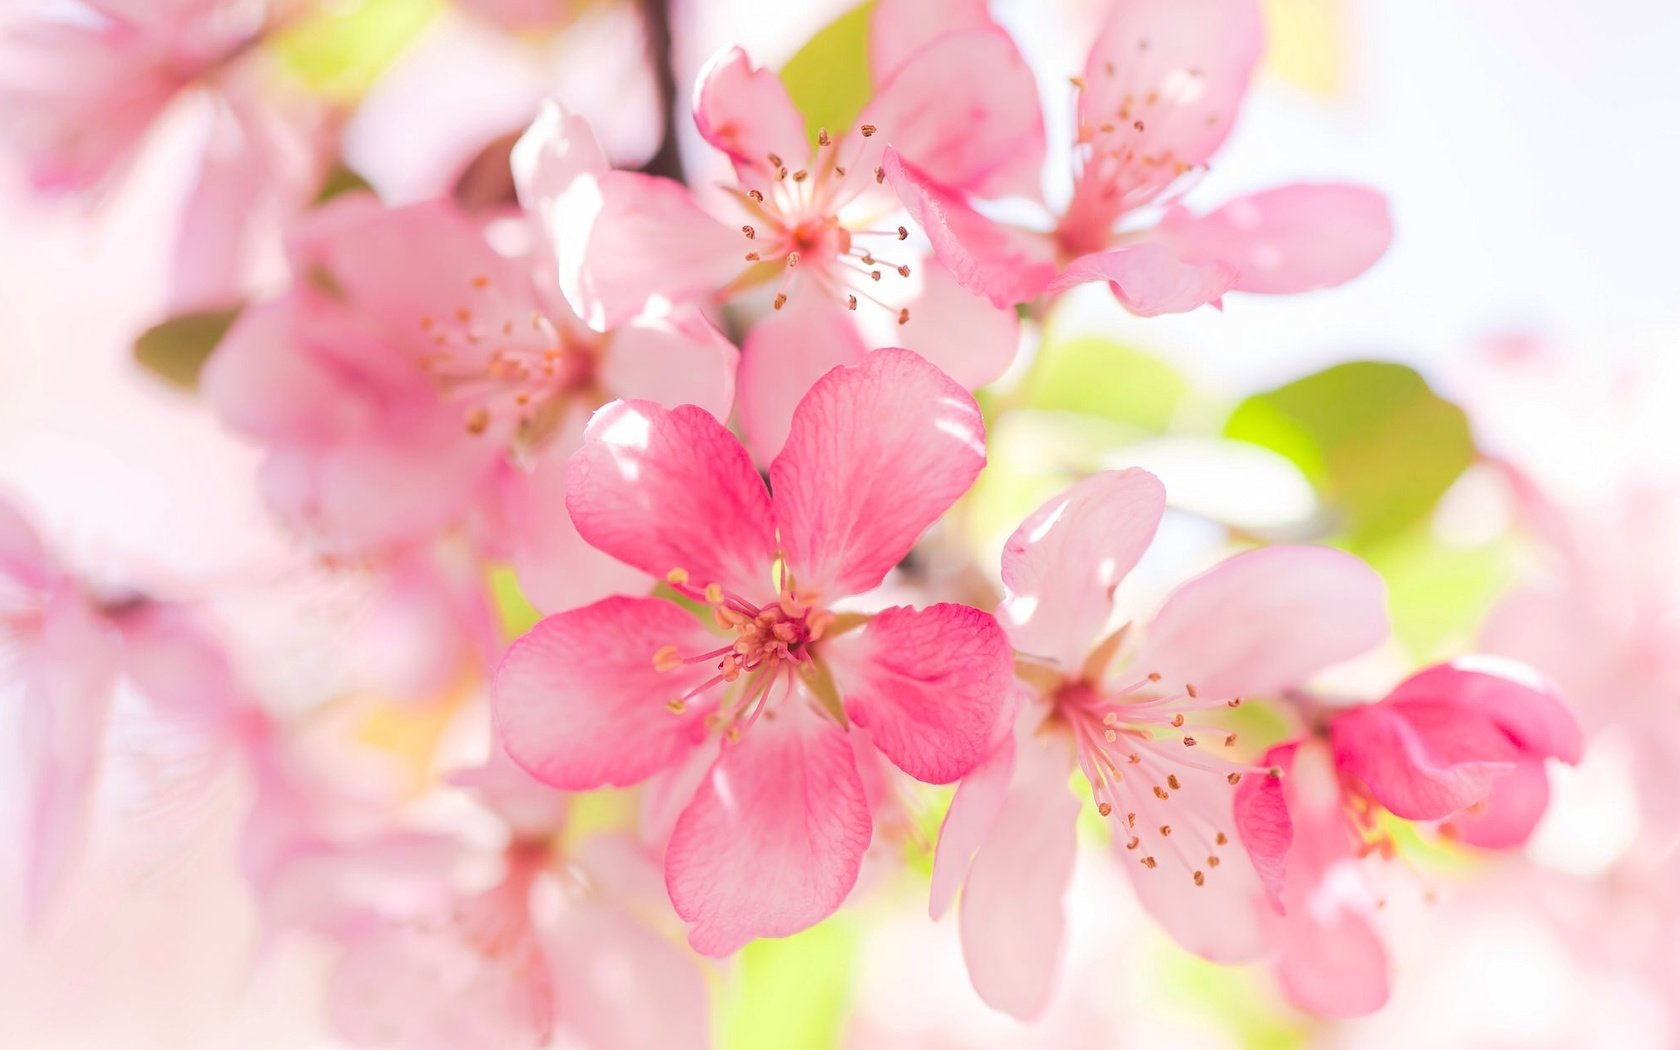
(659, 515)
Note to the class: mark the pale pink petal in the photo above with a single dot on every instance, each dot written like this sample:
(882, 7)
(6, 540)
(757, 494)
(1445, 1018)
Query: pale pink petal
(1266, 620)
(531, 809)
(1517, 700)
(783, 357)
(23, 558)
(69, 675)
(1162, 85)
(1150, 278)
(681, 359)
(579, 704)
(977, 803)
(1334, 965)
(1060, 568)
(557, 164)
(604, 962)
(1004, 264)
(931, 686)
(898, 29)
(877, 452)
(1422, 760)
(774, 838)
(212, 243)
(172, 659)
(958, 331)
(1011, 916)
(1507, 817)
(665, 489)
(965, 112)
(260, 383)
(746, 113)
(1291, 239)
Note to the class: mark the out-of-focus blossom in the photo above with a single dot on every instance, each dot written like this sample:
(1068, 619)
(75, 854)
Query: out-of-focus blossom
(1160, 92)
(612, 693)
(1119, 708)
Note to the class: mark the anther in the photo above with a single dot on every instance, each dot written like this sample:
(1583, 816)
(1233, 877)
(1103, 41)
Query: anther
(1132, 843)
(1189, 741)
(756, 196)
(478, 421)
(904, 315)
(749, 231)
(880, 174)
(1220, 839)
(752, 257)
(774, 159)
(822, 137)
(665, 659)
(1172, 781)
(851, 302)
(903, 234)
(676, 707)
(1230, 740)
(1160, 792)
(801, 175)
(1233, 778)
(904, 271)
(1212, 861)
(875, 275)
(1104, 809)
(1149, 862)
(1198, 877)
(677, 577)
(1189, 690)
(1166, 829)
(780, 300)
(714, 594)
(481, 282)
(867, 130)
(1154, 676)
(792, 259)
(1178, 720)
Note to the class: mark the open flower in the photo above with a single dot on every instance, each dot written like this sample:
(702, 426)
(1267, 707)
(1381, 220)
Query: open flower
(773, 677)
(396, 400)
(809, 222)
(1160, 92)
(1462, 742)
(1127, 710)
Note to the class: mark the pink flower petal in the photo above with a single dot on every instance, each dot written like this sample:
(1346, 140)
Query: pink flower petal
(1150, 278)
(774, 838)
(1166, 77)
(24, 562)
(1266, 620)
(877, 452)
(783, 357)
(931, 686)
(1422, 760)
(959, 332)
(1290, 239)
(604, 961)
(965, 112)
(1264, 827)
(1060, 568)
(975, 806)
(746, 113)
(898, 29)
(1006, 265)
(1012, 918)
(260, 384)
(676, 360)
(1334, 965)
(579, 704)
(665, 489)
(1521, 703)
(1507, 817)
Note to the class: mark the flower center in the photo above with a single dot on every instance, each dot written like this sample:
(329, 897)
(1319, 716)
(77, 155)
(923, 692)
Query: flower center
(510, 368)
(767, 646)
(1138, 751)
(797, 230)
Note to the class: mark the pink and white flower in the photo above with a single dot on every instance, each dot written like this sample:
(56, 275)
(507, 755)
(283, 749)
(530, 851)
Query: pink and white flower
(774, 678)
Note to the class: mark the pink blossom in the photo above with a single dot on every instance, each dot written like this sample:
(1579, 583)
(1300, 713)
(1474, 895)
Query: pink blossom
(772, 837)
(1463, 743)
(1160, 91)
(1127, 709)
(397, 402)
(811, 227)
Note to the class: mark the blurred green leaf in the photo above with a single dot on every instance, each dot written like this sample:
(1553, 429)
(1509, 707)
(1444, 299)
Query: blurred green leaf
(341, 179)
(341, 49)
(1440, 592)
(793, 992)
(1380, 444)
(176, 349)
(1099, 377)
(829, 78)
(513, 609)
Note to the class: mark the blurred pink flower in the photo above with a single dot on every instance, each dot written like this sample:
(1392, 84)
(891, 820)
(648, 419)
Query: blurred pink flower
(1258, 622)
(1462, 742)
(1159, 93)
(773, 836)
(401, 401)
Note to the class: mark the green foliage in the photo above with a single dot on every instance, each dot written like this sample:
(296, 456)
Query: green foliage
(1439, 592)
(340, 50)
(176, 349)
(829, 78)
(513, 609)
(792, 994)
(1094, 376)
(1380, 445)
(341, 179)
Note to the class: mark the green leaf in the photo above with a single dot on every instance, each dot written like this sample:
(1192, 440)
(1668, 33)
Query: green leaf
(176, 349)
(792, 992)
(1380, 445)
(513, 609)
(1095, 376)
(341, 179)
(829, 78)
(1438, 592)
(341, 49)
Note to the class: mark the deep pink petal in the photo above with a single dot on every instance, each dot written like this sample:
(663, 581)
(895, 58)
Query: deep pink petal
(1423, 760)
(604, 961)
(1291, 239)
(898, 29)
(958, 331)
(69, 675)
(1060, 568)
(1149, 278)
(579, 704)
(783, 357)
(1507, 817)
(1266, 620)
(1517, 700)
(975, 806)
(1004, 264)
(877, 452)
(930, 685)
(1163, 83)
(774, 838)
(677, 360)
(1264, 827)
(746, 113)
(965, 112)
(665, 489)
(1012, 918)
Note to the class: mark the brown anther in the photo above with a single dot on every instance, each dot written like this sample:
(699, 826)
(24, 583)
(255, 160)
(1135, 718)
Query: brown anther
(478, 421)
(756, 196)
(1132, 843)
(1166, 829)
(792, 259)
(774, 159)
(1152, 98)
(904, 315)
(1160, 792)
(1077, 82)
(1198, 877)
(840, 170)
(752, 257)
(822, 137)
(903, 234)
(1110, 735)
(676, 707)
(1134, 758)
(868, 130)
(880, 174)
(749, 231)
(1131, 820)
(851, 302)
(782, 174)
(1230, 740)
(1189, 690)
(1189, 741)
(780, 300)
(481, 282)
(1220, 839)
(1235, 701)
(1172, 781)
(801, 175)
(875, 275)
(1233, 778)
(1178, 721)
(904, 271)
(1149, 862)
(1104, 809)
(1212, 861)
(1154, 676)
(1137, 125)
